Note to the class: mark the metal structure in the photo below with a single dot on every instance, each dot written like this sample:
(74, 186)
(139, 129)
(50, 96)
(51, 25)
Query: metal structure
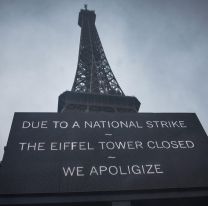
(94, 74)
(95, 87)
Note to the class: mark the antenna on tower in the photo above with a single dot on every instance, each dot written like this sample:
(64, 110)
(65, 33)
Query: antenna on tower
(85, 6)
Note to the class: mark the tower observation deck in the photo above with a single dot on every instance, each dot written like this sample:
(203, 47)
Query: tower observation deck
(95, 87)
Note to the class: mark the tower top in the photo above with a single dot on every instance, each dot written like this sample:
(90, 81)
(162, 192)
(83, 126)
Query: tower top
(95, 87)
(86, 16)
(94, 74)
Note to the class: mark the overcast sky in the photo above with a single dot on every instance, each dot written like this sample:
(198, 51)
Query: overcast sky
(157, 49)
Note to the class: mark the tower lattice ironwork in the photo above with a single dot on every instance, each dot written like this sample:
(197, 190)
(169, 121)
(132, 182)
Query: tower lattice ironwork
(93, 74)
(95, 87)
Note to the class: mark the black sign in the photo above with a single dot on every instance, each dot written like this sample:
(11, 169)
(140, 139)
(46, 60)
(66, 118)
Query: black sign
(90, 152)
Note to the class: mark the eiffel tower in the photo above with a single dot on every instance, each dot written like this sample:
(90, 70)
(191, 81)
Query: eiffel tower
(95, 88)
